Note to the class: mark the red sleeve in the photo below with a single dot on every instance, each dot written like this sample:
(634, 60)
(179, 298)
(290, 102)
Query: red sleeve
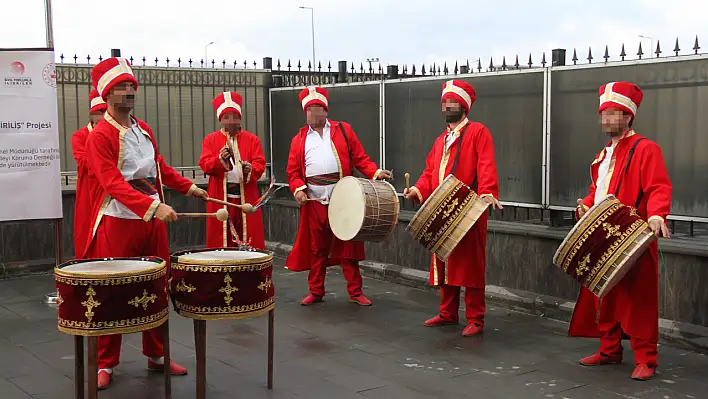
(487, 179)
(168, 176)
(210, 161)
(424, 185)
(655, 182)
(78, 147)
(296, 180)
(258, 161)
(101, 157)
(360, 159)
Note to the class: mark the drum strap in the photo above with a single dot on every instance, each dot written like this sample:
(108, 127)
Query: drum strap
(624, 172)
(457, 157)
(346, 140)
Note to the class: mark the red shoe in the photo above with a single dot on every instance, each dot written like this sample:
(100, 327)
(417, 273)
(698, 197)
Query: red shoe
(104, 379)
(643, 372)
(175, 369)
(310, 299)
(600, 359)
(472, 329)
(438, 321)
(360, 300)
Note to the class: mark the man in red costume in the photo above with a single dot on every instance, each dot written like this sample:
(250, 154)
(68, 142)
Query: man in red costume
(632, 307)
(82, 206)
(218, 162)
(465, 149)
(128, 210)
(321, 153)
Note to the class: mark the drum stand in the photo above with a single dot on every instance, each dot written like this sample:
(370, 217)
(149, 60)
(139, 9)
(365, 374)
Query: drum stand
(200, 348)
(93, 365)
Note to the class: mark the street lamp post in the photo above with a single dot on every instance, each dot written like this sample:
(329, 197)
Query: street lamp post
(312, 13)
(206, 60)
(651, 43)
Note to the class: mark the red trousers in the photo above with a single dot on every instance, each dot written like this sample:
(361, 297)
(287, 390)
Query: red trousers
(236, 217)
(474, 304)
(129, 238)
(611, 344)
(321, 238)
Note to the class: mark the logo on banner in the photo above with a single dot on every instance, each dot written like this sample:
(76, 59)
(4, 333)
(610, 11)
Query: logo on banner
(49, 74)
(15, 76)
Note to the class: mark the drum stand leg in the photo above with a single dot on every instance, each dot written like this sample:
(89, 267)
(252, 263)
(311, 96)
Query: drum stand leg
(200, 348)
(271, 328)
(79, 366)
(92, 369)
(167, 360)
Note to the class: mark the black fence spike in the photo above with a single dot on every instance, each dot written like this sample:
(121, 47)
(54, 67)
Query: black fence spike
(213, 63)
(144, 60)
(491, 64)
(623, 53)
(131, 60)
(468, 64)
(516, 63)
(223, 63)
(432, 72)
(190, 62)
(422, 70)
(100, 58)
(254, 64)
(503, 63)
(179, 62)
(299, 66)
(479, 65)
(676, 48)
(244, 64)
(543, 59)
(76, 58)
(168, 61)
(277, 66)
(589, 55)
(658, 49)
(329, 66)
(353, 70)
(88, 59)
(438, 70)
(380, 70)
(413, 70)
(530, 61)
(202, 62)
(61, 58)
(575, 57)
(696, 47)
(156, 61)
(456, 68)
(445, 68)
(640, 53)
(607, 54)
(361, 67)
(319, 66)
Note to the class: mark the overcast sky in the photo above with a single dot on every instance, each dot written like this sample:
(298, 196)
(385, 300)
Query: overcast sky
(411, 31)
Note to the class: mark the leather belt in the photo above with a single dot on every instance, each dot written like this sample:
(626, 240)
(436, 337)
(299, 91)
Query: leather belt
(144, 185)
(323, 180)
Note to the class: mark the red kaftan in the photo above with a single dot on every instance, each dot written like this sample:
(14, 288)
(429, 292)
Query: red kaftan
(300, 256)
(105, 156)
(466, 265)
(249, 149)
(634, 301)
(82, 204)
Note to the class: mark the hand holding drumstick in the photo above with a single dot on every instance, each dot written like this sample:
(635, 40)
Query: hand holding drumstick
(407, 192)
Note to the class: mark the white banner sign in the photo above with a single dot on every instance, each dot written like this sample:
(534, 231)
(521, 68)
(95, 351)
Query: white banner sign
(30, 171)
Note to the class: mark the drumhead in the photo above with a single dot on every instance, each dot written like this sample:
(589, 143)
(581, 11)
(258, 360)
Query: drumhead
(100, 267)
(347, 208)
(219, 255)
(577, 225)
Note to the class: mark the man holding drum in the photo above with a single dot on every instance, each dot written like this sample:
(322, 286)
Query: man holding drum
(465, 150)
(128, 209)
(321, 153)
(82, 206)
(632, 168)
(227, 170)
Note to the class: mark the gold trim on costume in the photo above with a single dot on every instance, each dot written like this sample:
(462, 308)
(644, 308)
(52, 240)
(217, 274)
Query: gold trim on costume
(417, 193)
(297, 190)
(151, 210)
(655, 217)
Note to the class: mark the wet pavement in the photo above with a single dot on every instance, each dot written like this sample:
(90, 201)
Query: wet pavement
(339, 350)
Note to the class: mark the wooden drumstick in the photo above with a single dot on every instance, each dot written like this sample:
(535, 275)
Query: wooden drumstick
(408, 180)
(221, 214)
(246, 208)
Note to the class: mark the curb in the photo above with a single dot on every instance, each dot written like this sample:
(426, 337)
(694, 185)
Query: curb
(685, 334)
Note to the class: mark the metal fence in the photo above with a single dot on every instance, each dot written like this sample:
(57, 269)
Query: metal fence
(544, 122)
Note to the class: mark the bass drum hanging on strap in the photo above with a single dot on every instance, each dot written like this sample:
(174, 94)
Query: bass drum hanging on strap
(448, 214)
(606, 242)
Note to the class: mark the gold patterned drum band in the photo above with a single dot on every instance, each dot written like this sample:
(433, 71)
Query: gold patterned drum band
(604, 245)
(446, 216)
(111, 296)
(222, 283)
